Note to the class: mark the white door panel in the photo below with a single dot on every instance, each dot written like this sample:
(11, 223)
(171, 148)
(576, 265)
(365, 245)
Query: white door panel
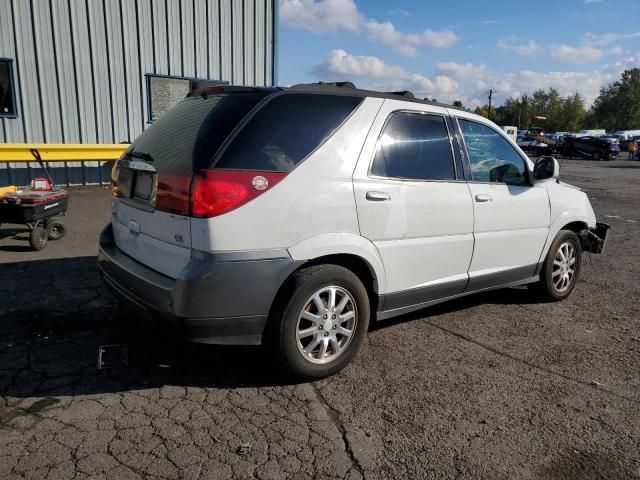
(510, 228)
(419, 243)
(422, 262)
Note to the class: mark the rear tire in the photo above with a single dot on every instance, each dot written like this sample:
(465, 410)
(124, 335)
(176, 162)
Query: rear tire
(561, 268)
(38, 238)
(323, 323)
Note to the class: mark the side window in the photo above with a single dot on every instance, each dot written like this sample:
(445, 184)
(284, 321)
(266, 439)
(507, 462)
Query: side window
(491, 156)
(285, 130)
(414, 146)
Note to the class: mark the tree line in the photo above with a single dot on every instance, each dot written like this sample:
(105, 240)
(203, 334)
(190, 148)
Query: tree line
(616, 108)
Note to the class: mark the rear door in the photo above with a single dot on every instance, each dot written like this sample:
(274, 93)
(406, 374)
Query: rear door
(151, 205)
(413, 205)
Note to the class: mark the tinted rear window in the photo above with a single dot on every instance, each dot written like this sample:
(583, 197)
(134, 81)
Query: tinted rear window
(190, 133)
(285, 131)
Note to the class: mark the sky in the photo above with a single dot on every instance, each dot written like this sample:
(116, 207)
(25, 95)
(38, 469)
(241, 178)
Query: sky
(460, 49)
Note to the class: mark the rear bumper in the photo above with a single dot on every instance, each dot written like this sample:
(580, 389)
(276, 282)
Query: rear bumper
(221, 298)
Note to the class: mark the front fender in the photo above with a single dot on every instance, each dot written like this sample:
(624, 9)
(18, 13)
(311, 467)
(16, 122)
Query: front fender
(341, 243)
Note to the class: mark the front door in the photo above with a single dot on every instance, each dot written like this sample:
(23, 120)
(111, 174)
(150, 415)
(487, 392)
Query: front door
(413, 206)
(511, 215)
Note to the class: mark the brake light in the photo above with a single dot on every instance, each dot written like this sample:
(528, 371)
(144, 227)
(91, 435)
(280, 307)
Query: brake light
(215, 192)
(209, 193)
(172, 191)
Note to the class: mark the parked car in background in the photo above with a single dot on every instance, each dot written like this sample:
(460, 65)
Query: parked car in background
(292, 216)
(591, 147)
(532, 146)
(596, 132)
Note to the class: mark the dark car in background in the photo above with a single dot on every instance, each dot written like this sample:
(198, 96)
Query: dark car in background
(597, 148)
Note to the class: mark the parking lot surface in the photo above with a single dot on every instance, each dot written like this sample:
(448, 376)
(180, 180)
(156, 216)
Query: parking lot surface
(491, 386)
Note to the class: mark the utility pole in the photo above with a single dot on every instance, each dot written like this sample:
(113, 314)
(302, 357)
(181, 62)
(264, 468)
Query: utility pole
(489, 112)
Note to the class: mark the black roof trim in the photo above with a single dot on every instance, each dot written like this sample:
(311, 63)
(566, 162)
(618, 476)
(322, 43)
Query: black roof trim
(215, 89)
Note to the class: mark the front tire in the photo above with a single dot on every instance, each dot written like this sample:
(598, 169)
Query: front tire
(561, 268)
(323, 323)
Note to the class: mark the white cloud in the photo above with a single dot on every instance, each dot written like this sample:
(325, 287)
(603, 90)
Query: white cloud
(338, 63)
(321, 16)
(607, 38)
(399, 11)
(423, 86)
(333, 15)
(561, 52)
(567, 83)
(406, 43)
(575, 54)
(462, 71)
(529, 49)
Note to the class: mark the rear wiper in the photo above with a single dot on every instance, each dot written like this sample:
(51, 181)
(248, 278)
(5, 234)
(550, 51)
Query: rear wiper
(141, 155)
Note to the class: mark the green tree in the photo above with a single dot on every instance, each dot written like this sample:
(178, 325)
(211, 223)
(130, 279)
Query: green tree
(618, 105)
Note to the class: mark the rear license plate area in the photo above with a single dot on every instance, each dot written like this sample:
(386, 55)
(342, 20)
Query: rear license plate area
(143, 186)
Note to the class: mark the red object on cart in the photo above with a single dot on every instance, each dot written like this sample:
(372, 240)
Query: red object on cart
(41, 185)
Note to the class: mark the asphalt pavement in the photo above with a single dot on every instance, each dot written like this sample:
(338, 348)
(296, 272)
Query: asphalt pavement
(491, 386)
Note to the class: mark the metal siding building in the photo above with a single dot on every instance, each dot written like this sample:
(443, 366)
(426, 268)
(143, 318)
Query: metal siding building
(81, 67)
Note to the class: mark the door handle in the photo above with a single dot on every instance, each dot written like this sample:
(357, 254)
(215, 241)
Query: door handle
(378, 197)
(483, 197)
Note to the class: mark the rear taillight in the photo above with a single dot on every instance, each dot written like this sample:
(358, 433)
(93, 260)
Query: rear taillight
(215, 192)
(209, 193)
(115, 171)
(172, 191)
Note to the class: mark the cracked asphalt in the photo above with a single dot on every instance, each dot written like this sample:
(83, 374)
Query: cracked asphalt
(491, 386)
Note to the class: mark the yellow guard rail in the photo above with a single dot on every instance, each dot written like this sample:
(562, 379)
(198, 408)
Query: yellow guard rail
(60, 152)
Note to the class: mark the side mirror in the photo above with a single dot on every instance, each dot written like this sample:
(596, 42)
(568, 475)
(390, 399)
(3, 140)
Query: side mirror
(545, 168)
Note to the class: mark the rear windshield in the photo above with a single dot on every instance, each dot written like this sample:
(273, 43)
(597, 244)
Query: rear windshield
(285, 131)
(190, 133)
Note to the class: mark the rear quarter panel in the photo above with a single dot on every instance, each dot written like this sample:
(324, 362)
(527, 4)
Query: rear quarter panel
(314, 199)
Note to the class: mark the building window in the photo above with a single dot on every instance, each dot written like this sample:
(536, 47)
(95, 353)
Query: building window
(7, 92)
(164, 91)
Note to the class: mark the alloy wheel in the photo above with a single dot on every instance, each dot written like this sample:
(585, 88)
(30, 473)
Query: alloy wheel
(564, 267)
(326, 324)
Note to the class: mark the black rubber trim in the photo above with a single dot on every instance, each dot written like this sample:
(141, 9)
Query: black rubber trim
(400, 303)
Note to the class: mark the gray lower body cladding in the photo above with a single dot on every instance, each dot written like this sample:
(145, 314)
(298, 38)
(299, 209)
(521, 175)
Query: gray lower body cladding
(221, 298)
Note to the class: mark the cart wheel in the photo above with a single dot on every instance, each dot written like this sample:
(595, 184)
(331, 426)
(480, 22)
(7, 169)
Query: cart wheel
(55, 230)
(38, 238)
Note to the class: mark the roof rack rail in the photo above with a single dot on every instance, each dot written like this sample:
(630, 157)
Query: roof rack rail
(349, 85)
(403, 93)
(226, 88)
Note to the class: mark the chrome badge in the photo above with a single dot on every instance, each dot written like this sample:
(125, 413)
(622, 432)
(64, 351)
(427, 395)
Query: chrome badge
(260, 183)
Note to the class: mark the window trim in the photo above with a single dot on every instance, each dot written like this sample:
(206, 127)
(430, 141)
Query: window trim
(12, 83)
(467, 160)
(236, 131)
(149, 76)
(458, 176)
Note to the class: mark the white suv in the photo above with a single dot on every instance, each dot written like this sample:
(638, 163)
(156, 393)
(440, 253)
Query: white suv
(294, 215)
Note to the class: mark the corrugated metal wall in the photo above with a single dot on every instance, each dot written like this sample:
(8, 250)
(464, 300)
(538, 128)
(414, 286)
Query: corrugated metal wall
(80, 65)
